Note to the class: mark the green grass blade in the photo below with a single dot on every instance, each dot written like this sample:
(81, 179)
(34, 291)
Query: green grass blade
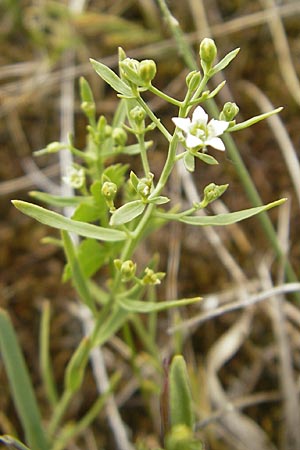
(20, 383)
(63, 223)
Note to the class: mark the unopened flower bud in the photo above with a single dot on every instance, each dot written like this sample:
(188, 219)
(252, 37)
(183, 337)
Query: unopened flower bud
(138, 114)
(127, 268)
(129, 69)
(152, 277)
(192, 80)
(208, 53)
(147, 71)
(144, 186)
(212, 192)
(89, 108)
(119, 136)
(109, 190)
(229, 111)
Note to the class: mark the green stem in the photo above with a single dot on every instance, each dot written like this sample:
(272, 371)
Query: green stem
(45, 364)
(144, 157)
(154, 119)
(164, 96)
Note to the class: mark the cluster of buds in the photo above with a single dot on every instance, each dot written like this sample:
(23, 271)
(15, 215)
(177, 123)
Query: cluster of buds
(127, 269)
(138, 73)
(142, 186)
(211, 193)
(151, 277)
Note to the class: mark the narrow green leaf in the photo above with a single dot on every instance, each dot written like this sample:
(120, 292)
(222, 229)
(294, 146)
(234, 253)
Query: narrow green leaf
(78, 278)
(138, 306)
(74, 373)
(253, 120)
(127, 212)
(111, 78)
(21, 386)
(63, 223)
(230, 218)
(208, 159)
(57, 200)
(224, 62)
(181, 410)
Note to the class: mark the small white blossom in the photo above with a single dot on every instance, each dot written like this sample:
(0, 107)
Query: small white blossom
(75, 177)
(200, 133)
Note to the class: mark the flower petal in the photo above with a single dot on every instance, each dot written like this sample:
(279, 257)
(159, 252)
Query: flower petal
(217, 127)
(200, 116)
(183, 124)
(192, 141)
(216, 142)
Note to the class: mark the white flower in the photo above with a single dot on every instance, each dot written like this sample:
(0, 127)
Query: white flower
(199, 133)
(75, 177)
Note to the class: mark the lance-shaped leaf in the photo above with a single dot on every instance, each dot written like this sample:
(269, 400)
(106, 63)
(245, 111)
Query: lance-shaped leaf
(145, 307)
(253, 120)
(111, 78)
(57, 200)
(127, 212)
(224, 62)
(21, 386)
(63, 223)
(208, 159)
(230, 218)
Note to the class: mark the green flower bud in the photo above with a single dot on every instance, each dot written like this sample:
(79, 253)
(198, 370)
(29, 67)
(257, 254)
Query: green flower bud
(144, 186)
(229, 111)
(151, 277)
(119, 136)
(147, 71)
(129, 70)
(208, 53)
(127, 268)
(109, 190)
(192, 80)
(107, 131)
(212, 192)
(88, 108)
(137, 114)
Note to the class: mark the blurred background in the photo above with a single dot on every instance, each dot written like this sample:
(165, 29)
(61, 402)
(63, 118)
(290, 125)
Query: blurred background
(45, 47)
